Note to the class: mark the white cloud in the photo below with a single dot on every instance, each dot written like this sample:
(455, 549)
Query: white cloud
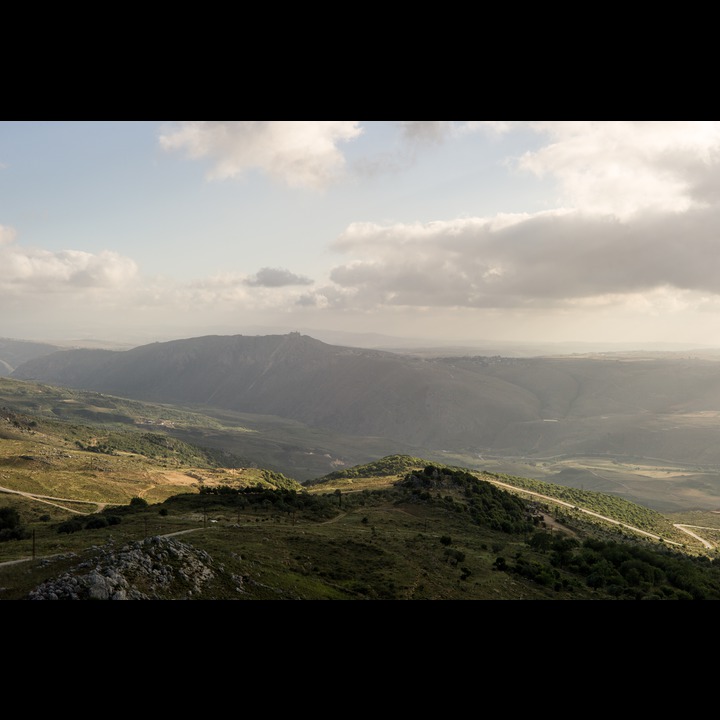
(37, 270)
(547, 259)
(299, 153)
(626, 167)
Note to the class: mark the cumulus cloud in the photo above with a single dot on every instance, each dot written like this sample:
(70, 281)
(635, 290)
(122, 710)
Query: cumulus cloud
(38, 270)
(220, 293)
(276, 277)
(299, 153)
(546, 259)
(637, 217)
(628, 167)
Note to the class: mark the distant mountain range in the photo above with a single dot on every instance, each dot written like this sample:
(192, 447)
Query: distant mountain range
(16, 352)
(663, 407)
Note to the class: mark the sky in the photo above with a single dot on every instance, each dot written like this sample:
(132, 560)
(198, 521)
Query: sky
(443, 232)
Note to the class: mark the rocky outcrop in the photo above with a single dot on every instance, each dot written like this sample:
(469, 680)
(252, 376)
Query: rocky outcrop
(157, 568)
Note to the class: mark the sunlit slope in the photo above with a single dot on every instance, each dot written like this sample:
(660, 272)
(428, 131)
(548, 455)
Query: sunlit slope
(63, 460)
(279, 444)
(398, 528)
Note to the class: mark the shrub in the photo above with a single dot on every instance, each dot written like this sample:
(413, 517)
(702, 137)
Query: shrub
(11, 527)
(9, 518)
(18, 533)
(96, 522)
(70, 526)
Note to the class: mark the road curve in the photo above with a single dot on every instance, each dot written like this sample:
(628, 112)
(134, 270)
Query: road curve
(603, 517)
(48, 500)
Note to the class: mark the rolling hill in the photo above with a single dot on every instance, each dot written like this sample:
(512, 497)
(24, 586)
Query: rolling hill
(399, 528)
(16, 352)
(660, 407)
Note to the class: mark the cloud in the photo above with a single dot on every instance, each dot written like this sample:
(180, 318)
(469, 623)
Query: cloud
(7, 235)
(627, 167)
(298, 153)
(42, 271)
(637, 217)
(276, 277)
(225, 292)
(435, 131)
(425, 130)
(548, 259)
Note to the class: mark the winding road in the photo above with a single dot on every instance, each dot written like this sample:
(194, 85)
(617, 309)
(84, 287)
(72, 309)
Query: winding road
(683, 528)
(100, 506)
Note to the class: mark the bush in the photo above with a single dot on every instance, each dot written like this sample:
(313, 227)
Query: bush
(11, 527)
(18, 533)
(138, 502)
(96, 522)
(70, 526)
(9, 518)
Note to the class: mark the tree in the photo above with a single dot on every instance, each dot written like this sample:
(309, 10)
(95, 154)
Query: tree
(70, 526)
(11, 527)
(9, 518)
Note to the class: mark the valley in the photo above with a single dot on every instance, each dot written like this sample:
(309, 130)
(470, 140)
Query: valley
(642, 426)
(293, 505)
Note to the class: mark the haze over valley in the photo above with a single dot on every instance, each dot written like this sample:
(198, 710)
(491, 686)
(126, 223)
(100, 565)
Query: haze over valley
(388, 314)
(643, 426)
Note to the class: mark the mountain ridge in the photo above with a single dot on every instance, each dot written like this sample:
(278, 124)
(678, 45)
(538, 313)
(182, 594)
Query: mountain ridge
(663, 408)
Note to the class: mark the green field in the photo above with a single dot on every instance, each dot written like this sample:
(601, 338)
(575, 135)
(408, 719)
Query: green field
(402, 527)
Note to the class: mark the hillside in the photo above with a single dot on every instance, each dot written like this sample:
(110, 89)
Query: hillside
(347, 390)
(116, 512)
(423, 532)
(16, 352)
(644, 427)
(534, 407)
(267, 441)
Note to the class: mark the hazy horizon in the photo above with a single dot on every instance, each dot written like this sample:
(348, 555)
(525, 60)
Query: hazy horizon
(445, 233)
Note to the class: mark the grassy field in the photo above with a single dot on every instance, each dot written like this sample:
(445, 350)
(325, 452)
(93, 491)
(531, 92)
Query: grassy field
(378, 550)
(357, 534)
(358, 540)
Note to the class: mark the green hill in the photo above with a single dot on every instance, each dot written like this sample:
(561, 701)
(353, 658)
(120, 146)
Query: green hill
(110, 508)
